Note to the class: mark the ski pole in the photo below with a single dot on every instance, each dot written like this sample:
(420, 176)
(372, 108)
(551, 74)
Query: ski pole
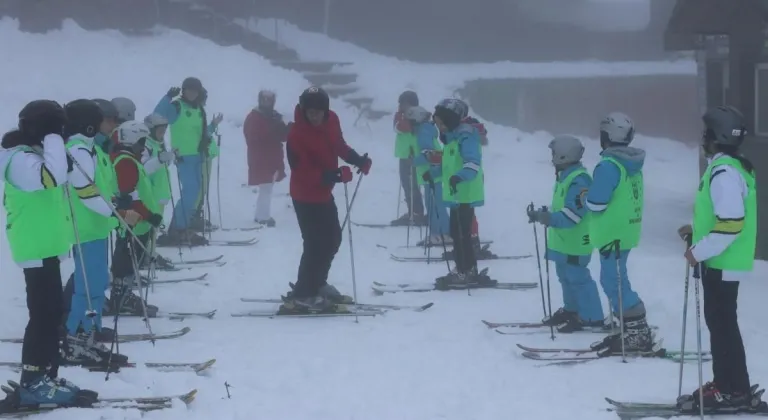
(410, 208)
(173, 214)
(546, 269)
(699, 360)
(425, 243)
(399, 199)
(89, 313)
(538, 263)
(351, 203)
(351, 247)
(685, 320)
(437, 217)
(617, 248)
(218, 180)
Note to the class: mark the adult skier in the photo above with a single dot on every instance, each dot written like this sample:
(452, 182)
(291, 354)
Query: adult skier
(265, 132)
(33, 167)
(427, 145)
(191, 139)
(568, 239)
(615, 202)
(138, 205)
(315, 145)
(92, 182)
(405, 151)
(462, 173)
(724, 236)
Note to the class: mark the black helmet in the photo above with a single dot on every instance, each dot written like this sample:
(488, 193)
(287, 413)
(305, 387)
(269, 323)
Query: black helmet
(84, 117)
(108, 109)
(315, 98)
(408, 97)
(40, 118)
(192, 83)
(724, 126)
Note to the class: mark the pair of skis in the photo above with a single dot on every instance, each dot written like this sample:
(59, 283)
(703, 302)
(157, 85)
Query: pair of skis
(686, 405)
(347, 309)
(440, 259)
(189, 264)
(178, 316)
(10, 406)
(381, 288)
(146, 281)
(196, 367)
(221, 242)
(576, 355)
(127, 338)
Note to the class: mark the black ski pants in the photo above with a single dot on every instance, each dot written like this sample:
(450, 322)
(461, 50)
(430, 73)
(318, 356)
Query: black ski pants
(729, 361)
(44, 302)
(411, 188)
(321, 232)
(122, 260)
(461, 233)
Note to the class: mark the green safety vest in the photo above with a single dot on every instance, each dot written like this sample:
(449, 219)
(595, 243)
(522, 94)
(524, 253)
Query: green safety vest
(422, 169)
(573, 240)
(91, 225)
(38, 223)
(146, 193)
(187, 131)
(160, 179)
(622, 220)
(467, 191)
(740, 254)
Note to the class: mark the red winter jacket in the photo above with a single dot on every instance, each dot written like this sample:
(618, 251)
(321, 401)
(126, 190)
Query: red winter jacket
(128, 180)
(313, 152)
(264, 135)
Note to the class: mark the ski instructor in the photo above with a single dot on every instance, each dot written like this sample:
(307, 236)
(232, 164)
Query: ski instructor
(315, 145)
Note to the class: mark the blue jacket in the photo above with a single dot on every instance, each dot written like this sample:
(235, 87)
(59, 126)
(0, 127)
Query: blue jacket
(576, 210)
(606, 175)
(425, 133)
(469, 149)
(170, 110)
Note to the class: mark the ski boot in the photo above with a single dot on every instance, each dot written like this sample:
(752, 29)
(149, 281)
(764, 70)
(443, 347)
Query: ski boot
(576, 324)
(637, 339)
(266, 223)
(331, 293)
(176, 237)
(38, 389)
(83, 350)
(202, 225)
(715, 400)
(435, 240)
(405, 220)
(560, 317)
(161, 263)
(102, 335)
(306, 305)
(127, 301)
(481, 253)
(53, 374)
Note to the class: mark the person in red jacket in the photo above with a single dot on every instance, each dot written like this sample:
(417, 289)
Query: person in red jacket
(315, 145)
(265, 133)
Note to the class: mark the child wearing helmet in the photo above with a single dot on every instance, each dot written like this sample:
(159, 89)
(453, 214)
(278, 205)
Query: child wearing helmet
(462, 173)
(722, 243)
(615, 201)
(405, 151)
(568, 241)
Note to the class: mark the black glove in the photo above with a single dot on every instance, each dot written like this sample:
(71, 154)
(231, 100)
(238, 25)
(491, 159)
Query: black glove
(427, 177)
(453, 182)
(70, 164)
(123, 202)
(173, 92)
(155, 219)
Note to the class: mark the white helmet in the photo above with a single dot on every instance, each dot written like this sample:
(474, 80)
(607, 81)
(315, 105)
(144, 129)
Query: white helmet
(131, 132)
(417, 114)
(155, 120)
(617, 128)
(126, 109)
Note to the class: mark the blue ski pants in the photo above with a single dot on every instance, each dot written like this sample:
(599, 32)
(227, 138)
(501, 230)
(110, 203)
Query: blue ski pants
(96, 259)
(190, 172)
(579, 289)
(439, 223)
(610, 270)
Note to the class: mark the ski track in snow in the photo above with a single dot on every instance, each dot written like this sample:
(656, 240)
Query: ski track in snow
(439, 364)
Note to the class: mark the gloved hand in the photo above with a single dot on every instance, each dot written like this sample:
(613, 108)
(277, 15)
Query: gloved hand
(173, 92)
(427, 177)
(685, 232)
(70, 164)
(453, 182)
(364, 164)
(166, 157)
(280, 176)
(155, 219)
(217, 119)
(345, 174)
(131, 217)
(435, 157)
(541, 216)
(123, 202)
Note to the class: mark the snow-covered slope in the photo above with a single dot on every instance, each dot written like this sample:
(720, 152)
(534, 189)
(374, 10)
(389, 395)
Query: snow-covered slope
(439, 364)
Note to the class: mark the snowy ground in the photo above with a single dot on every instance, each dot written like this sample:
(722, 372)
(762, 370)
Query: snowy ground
(440, 364)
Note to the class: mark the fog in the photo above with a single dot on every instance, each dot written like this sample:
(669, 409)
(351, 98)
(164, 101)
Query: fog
(597, 15)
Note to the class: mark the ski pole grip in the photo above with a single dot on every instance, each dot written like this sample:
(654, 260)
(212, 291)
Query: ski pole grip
(617, 248)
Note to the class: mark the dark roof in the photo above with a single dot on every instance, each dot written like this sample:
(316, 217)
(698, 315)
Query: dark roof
(710, 17)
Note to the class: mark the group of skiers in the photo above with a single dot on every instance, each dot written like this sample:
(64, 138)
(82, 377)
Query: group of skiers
(75, 175)
(604, 212)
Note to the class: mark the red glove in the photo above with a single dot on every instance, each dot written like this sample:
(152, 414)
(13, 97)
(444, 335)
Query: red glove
(345, 174)
(280, 176)
(434, 157)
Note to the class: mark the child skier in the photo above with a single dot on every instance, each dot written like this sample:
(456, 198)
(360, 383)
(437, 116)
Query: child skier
(405, 151)
(265, 132)
(136, 197)
(126, 109)
(724, 236)
(615, 202)
(462, 173)
(94, 223)
(108, 124)
(428, 150)
(568, 239)
(33, 167)
(315, 145)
